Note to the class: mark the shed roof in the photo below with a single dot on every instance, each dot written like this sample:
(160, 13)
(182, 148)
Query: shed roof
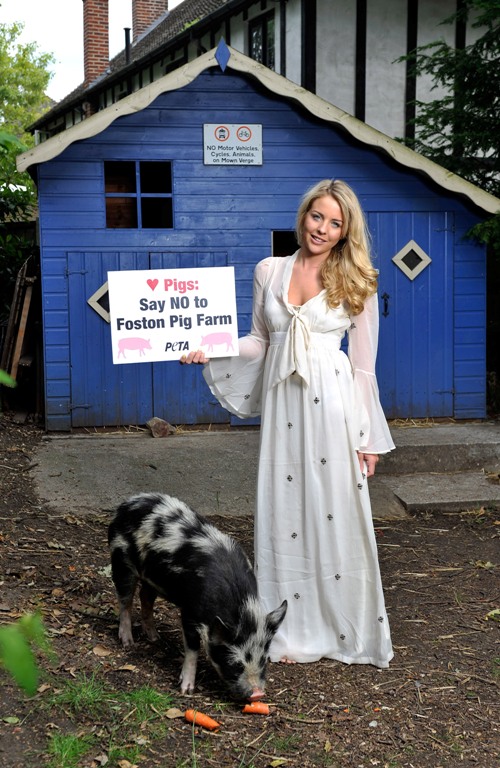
(278, 85)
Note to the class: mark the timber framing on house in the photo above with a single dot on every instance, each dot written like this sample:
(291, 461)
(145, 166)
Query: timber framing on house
(164, 46)
(278, 85)
(357, 55)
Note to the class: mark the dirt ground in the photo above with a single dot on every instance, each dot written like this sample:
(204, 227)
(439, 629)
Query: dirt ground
(437, 705)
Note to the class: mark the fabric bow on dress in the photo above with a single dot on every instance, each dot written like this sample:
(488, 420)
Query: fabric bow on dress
(294, 358)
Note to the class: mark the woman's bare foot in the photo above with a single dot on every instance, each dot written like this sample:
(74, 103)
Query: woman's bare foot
(284, 660)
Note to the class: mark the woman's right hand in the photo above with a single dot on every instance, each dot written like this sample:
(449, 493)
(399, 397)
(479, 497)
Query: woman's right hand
(197, 357)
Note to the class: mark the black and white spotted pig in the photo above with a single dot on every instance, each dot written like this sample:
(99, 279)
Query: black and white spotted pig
(174, 552)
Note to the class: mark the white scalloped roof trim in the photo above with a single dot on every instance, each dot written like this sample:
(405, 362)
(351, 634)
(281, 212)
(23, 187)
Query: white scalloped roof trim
(277, 84)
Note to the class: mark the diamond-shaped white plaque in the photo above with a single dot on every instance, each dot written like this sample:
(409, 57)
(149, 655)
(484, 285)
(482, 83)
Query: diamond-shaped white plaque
(411, 259)
(94, 301)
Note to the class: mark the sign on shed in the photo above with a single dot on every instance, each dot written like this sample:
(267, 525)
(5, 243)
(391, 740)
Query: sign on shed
(163, 314)
(231, 144)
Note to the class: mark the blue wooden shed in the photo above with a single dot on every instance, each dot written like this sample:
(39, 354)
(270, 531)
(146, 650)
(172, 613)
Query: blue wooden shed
(128, 189)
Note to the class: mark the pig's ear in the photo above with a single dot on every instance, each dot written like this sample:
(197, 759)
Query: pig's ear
(221, 632)
(275, 618)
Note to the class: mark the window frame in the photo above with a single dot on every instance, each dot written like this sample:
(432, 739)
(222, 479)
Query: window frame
(262, 22)
(138, 195)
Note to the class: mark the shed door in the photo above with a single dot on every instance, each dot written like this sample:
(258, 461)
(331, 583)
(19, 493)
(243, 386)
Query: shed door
(414, 253)
(104, 394)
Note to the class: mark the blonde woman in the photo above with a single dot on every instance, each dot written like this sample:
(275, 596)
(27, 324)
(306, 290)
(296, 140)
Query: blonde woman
(322, 430)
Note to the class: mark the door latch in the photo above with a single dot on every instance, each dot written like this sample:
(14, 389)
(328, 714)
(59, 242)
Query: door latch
(385, 298)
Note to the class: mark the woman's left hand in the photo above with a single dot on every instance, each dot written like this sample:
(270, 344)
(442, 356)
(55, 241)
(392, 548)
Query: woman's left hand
(367, 463)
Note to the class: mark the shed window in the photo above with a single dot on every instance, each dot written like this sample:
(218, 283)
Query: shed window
(138, 194)
(284, 242)
(261, 44)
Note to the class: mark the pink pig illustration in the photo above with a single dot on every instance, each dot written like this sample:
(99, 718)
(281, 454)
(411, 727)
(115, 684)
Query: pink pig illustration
(212, 339)
(133, 342)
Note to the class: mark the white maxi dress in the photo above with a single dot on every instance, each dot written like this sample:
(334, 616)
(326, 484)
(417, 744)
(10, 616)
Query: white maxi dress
(314, 537)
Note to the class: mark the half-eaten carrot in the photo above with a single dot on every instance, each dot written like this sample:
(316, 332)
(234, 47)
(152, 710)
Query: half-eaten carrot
(198, 718)
(256, 708)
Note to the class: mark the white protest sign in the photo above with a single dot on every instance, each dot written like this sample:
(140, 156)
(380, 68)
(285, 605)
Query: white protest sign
(232, 144)
(162, 314)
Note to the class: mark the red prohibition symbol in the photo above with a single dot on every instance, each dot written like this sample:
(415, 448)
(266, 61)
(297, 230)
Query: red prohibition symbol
(244, 133)
(222, 133)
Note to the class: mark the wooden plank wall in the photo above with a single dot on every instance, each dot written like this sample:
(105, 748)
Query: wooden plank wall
(233, 207)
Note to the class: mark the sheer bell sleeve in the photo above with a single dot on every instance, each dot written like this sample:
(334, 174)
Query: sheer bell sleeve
(363, 342)
(236, 382)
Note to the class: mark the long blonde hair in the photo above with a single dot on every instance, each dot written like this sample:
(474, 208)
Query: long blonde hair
(348, 273)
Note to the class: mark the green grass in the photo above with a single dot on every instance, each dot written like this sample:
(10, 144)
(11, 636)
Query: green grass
(131, 719)
(66, 750)
(84, 696)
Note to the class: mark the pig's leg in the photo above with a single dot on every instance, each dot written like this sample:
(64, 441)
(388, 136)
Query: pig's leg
(191, 648)
(125, 582)
(148, 596)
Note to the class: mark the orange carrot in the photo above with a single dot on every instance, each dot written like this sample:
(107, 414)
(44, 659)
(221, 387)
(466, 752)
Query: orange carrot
(256, 708)
(198, 718)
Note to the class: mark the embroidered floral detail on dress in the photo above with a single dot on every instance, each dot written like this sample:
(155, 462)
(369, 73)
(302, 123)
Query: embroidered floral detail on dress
(296, 596)
(361, 433)
(342, 637)
(289, 425)
(353, 325)
(337, 576)
(316, 400)
(337, 372)
(247, 397)
(294, 535)
(363, 476)
(228, 375)
(381, 619)
(289, 478)
(323, 461)
(330, 517)
(360, 485)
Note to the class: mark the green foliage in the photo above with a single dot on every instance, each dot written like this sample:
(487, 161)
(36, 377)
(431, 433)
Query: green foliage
(24, 77)
(6, 379)
(18, 203)
(459, 129)
(16, 654)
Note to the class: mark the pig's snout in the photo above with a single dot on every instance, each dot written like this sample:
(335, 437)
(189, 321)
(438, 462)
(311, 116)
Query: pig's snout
(257, 694)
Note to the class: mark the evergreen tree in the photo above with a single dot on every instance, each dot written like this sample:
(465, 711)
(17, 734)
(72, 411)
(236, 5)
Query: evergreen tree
(460, 129)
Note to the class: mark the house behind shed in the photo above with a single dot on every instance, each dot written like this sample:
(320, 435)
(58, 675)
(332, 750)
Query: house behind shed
(130, 189)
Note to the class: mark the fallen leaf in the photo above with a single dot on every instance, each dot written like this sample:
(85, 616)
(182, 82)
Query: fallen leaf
(173, 712)
(99, 650)
(11, 720)
(127, 668)
(55, 545)
(101, 759)
(73, 520)
(482, 564)
(126, 764)
(279, 761)
(494, 615)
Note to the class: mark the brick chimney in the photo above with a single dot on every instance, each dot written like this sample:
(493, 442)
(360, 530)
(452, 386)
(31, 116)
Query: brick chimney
(95, 39)
(144, 13)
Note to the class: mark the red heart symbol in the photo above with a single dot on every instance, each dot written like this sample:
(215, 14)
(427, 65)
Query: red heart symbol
(152, 284)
